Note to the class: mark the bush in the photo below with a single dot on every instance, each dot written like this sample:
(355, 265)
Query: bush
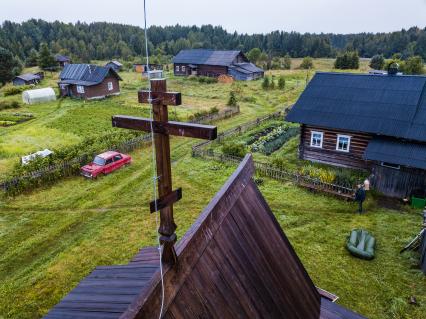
(13, 90)
(214, 110)
(232, 101)
(234, 149)
(4, 105)
(377, 62)
(281, 82)
(207, 80)
(414, 65)
(287, 62)
(347, 60)
(265, 83)
(307, 63)
(340, 176)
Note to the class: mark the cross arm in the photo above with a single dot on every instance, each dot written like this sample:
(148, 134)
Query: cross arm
(206, 132)
(166, 98)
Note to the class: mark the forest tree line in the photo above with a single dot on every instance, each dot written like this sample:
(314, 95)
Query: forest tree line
(101, 40)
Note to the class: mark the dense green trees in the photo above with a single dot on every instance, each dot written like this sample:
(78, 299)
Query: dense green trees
(347, 60)
(45, 58)
(377, 62)
(9, 66)
(100, 41)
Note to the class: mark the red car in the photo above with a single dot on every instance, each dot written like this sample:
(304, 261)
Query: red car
(105, 163)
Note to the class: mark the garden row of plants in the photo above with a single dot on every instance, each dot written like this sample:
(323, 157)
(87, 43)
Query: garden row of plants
(9, 119)
(6, 105)
(265, 139)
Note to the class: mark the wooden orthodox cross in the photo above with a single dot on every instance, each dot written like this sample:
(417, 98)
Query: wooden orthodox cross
(162, 128)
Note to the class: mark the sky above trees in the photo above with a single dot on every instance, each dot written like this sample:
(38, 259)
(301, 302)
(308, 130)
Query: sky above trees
(243, 16)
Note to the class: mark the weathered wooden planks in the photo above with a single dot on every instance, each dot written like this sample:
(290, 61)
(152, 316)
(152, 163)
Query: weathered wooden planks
(109, 290)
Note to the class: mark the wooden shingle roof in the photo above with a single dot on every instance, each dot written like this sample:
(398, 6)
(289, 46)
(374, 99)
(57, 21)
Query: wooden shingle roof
(234, 262)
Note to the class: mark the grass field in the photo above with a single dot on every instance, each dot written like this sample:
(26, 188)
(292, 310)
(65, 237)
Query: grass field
(51, 238)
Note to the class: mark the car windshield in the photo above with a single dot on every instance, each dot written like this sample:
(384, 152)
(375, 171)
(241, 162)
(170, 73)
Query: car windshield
(99, 161)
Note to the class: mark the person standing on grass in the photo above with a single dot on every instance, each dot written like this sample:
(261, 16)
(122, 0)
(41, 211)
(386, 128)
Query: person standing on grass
(360, 197)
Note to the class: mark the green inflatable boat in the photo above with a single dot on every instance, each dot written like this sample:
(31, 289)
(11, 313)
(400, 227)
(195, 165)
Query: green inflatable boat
(361, 244)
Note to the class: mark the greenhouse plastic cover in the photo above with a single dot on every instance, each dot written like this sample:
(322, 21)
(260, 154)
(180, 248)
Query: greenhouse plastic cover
(38, 96)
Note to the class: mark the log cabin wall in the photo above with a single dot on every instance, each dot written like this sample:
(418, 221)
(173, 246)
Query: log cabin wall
(328, 153)
(212, 70)
(397, 182)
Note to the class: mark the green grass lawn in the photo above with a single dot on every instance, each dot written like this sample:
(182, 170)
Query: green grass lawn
(51, 238)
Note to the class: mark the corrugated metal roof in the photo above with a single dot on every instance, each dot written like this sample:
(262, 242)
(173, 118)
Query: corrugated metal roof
(395, 151)
(62, 58)
(85, 74)
(208, 57)
(28, 77)
(246, 68)
(386, 105)
(115, 63)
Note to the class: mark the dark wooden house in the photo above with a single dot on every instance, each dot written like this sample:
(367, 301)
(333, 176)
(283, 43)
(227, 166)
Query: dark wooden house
(366, 121)
(27, 79)
(87, 81)
(213, 63)
(234, 262)
(117, 66)
(62, 60)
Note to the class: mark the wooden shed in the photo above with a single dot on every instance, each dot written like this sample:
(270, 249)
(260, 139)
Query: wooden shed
(366, 121)
(117, 66)
(234, 262)
(27, 79)
(62, 60)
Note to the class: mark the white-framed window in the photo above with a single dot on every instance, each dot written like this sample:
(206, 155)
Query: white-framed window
(80, 89)
(390, 165)
(343, 143)
(177, 68)
(183, 68)
(110, 86)
(316, 139)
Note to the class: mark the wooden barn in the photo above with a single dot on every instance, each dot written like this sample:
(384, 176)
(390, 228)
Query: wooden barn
(87, 81)
(117, 66)
(27, 79)
(234, 262)
(214, 63)
(366, 121)
(62, 60)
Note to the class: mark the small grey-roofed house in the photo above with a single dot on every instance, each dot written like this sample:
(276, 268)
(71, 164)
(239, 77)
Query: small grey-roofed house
(26, 79)
(115, 65)
(204, 62)
(88, 81)
(365, 121)
(62, 60)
